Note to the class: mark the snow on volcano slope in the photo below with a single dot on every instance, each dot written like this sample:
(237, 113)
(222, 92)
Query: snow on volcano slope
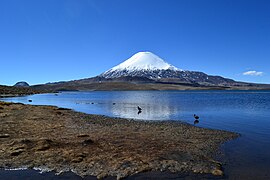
(144, 61)
(145, 64)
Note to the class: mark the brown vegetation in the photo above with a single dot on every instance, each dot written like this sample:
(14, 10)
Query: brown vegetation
(63, 140)
(6, 91)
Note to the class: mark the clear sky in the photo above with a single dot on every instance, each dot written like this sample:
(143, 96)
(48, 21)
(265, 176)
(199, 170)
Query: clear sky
(53, 40)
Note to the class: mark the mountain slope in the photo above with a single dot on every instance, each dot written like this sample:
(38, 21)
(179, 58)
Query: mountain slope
(149, 65)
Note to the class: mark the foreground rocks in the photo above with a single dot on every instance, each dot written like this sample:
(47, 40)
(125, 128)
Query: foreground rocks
(62, 140)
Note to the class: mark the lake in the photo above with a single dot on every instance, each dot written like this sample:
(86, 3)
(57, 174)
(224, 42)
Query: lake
(245, 112)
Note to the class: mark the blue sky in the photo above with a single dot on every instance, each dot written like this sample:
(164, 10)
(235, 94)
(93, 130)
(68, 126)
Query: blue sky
(53, 40)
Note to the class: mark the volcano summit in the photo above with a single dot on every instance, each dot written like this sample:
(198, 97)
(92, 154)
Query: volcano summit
(143, 61)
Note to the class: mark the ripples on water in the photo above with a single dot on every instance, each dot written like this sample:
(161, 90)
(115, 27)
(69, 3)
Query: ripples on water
(245, 112)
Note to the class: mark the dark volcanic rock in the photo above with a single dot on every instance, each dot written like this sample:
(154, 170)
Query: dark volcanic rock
(157, 75)
(87, 142)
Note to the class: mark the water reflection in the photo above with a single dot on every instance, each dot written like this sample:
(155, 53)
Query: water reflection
(196, 122)
(149, 112)
(143, 107)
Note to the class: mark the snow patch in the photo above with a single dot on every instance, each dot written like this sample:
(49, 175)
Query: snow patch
(143, 61)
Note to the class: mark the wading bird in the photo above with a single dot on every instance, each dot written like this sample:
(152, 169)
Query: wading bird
(196, 117)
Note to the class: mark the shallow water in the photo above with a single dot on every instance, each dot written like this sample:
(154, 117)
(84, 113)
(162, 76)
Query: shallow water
(245, 112)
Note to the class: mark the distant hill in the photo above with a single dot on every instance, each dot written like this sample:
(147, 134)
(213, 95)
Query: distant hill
(147, 71)
(21, 84)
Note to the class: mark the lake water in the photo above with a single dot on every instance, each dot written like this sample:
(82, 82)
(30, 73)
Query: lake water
(245, 112)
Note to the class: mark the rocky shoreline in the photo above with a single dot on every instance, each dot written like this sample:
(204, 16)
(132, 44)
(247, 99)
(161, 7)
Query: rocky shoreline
(62, 140)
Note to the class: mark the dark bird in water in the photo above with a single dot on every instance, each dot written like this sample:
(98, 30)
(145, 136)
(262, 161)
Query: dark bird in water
(139, 109)
(196, 121)
(29, 100)
(196, 117)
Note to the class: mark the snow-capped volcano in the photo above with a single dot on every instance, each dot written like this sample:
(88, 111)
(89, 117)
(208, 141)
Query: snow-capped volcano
(144, 61)
(150, 66)
(145, 64)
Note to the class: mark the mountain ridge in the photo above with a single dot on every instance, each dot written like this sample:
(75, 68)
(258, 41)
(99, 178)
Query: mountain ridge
(147, 71)
(149, 65)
